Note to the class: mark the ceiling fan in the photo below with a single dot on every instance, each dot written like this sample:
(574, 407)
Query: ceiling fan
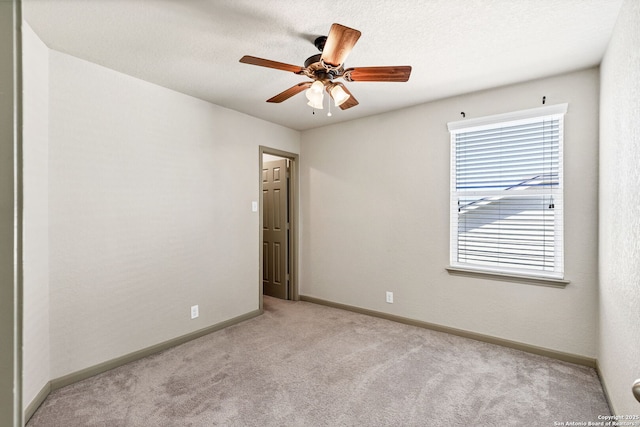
(325, 67)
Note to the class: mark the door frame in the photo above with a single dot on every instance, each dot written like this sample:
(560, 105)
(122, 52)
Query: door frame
(11, 213)
(293, 201)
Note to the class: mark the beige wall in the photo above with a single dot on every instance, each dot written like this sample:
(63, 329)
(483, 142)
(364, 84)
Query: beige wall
(619, 344)
(36, 215)
(150, 212)
(375, 209)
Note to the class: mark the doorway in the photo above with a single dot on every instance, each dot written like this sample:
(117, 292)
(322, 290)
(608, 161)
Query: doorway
(278, 224)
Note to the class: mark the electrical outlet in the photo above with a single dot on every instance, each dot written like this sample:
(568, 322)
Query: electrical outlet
(390, 297)
(194, 311)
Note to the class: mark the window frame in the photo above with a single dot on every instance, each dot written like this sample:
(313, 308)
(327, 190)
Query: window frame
(548, 278)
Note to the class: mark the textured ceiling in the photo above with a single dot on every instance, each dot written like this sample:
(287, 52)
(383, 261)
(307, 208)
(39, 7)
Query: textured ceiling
(454, 46)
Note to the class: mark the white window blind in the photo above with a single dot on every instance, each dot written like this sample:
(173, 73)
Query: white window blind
(506, 192)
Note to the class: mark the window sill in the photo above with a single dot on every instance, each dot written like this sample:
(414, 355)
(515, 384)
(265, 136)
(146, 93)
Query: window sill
(508, 277)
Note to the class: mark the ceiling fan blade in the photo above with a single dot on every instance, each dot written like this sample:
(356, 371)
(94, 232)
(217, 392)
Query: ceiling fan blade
(339, 43)
(378, 74)
(270, 64)
(351, 102)
(283, 96)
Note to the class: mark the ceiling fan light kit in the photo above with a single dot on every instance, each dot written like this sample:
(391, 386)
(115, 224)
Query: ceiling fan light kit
(314, 95)
(324, 67)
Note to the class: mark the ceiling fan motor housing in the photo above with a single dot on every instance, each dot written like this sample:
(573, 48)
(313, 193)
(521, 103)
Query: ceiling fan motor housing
(314, 68)
(312, 60)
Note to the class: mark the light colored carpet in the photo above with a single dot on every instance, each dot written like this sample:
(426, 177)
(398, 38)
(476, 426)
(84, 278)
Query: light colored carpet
(302, 364)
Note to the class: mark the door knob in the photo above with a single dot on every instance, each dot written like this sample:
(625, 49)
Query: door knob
(636, 389)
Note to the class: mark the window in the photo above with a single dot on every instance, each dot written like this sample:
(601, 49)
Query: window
(506, 193)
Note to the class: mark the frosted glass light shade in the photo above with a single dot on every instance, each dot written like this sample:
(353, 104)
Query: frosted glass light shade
(316, 87)
(316, 103)
(314, 95)
(339, 95)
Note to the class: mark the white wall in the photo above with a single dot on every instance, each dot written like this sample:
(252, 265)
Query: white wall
(619, 344)
(35, 328)
(375, 204)
(150, 212)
